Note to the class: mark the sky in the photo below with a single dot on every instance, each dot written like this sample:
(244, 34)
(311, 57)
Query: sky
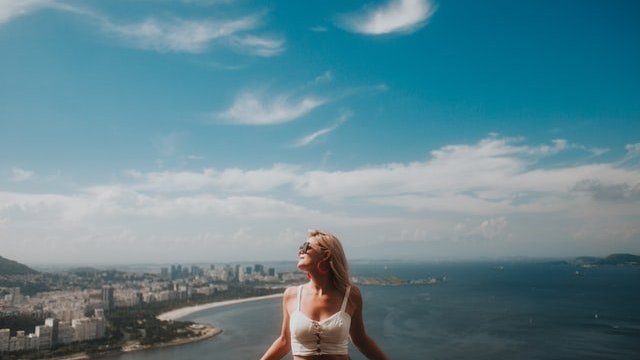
(154, 131)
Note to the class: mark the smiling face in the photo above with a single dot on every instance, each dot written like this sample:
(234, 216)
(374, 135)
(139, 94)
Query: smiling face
(309, 254)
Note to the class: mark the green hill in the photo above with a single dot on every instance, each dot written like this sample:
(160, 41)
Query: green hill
(10, 267)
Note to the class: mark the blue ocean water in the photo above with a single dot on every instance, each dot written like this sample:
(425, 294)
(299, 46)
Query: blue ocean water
(483, 311)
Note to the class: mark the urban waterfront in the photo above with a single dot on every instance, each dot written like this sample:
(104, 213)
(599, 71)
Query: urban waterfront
(503, 310)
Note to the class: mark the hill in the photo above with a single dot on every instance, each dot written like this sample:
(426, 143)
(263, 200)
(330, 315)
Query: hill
(613, 259)
(10, 267)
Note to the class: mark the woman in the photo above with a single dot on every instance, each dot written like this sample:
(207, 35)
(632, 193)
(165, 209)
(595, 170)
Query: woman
(321, 315)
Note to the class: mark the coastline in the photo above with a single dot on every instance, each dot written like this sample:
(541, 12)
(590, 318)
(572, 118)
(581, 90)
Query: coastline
(182, 312)
(206, 331)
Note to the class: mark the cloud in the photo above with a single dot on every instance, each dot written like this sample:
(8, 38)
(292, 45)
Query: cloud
(633, 149)
(495, 228)
(319, 29)
(497, 189)
(19, 175)
(255, 109)
(494, 176)
(306, 140)
(11, 9)
(178, 35)
(232, 180)
(620, 192)
(396, 16)
(326, 77)
(259, 45)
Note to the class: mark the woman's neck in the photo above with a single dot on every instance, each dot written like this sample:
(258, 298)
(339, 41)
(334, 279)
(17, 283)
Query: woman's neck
(320, 284)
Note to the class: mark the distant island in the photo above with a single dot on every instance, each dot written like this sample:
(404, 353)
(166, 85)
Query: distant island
(396, 281)
(613, 259)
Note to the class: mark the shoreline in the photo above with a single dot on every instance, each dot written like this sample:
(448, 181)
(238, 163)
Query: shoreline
(182, 312)
(206, 330)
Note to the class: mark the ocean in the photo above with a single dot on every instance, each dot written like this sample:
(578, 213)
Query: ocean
(484, 310)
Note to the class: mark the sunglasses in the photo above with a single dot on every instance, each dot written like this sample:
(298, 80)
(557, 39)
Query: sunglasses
(304, 248)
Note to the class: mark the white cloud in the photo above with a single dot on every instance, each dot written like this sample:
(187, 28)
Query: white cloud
(493, 191)
(263, 46)
(306, 140)
(396, 16)
(178, 35)
(11, 9)
(19, 175)
(230, 180)
(633, 149)
(253, 109)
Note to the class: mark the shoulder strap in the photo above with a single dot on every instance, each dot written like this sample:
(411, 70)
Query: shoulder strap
(299, 296)
(346, 297)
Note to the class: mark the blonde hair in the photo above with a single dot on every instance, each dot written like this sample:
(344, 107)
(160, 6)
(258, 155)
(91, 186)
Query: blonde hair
(337, 258)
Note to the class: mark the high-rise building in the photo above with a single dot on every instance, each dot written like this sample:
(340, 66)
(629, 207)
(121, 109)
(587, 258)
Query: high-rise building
(258, 269)
(53, 324)
(272, 272)
(45, 336)
(5, 335)
(107, 297)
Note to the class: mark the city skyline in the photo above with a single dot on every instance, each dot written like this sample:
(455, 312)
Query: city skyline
(191, 131)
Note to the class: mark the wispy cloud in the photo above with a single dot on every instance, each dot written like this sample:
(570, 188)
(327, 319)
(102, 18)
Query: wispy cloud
(251, 108)
(178, 35)
(319, 29)
(11, 9)
(19, 175)
(396, 16)
(263, 46)
(326, 77)
(306, 140)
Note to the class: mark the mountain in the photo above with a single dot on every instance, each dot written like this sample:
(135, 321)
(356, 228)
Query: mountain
(10, 267)
(613, 259)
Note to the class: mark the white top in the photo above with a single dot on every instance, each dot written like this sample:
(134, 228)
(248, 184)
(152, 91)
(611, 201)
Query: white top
(327, 337)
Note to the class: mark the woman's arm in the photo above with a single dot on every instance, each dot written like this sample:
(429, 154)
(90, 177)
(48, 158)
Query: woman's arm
(281, 346)
(359, 336)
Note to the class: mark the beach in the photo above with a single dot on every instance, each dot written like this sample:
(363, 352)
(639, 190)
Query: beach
(203, 331)
(182, 312)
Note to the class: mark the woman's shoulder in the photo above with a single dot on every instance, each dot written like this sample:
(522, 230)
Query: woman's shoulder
(291, 291)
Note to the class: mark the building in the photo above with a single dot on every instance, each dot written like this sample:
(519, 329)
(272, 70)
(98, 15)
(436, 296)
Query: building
(45, 335)
(53, 324)
(164, 273)
(107, 297)
(65, 333)
(258, 269)
(5, 335)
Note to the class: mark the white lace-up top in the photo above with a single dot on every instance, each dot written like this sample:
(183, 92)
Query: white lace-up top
(326, 337)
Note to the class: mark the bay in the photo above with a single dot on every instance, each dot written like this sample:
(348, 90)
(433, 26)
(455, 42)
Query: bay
(486, 310)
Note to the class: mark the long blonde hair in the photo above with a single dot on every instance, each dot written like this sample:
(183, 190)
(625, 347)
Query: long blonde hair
(337, 258)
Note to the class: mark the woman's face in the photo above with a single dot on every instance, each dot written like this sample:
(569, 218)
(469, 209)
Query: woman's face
(309, 254)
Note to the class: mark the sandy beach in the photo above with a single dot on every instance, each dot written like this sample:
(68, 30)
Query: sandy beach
(182, 312)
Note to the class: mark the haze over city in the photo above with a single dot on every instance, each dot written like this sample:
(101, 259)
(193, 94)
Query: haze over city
(221, 130)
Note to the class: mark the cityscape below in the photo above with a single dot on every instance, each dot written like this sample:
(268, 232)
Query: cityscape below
(73, 309)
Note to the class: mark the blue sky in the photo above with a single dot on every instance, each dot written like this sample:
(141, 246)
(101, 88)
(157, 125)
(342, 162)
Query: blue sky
(185, 130)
